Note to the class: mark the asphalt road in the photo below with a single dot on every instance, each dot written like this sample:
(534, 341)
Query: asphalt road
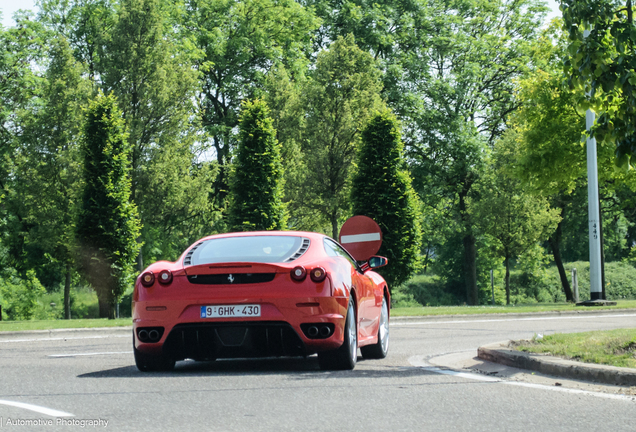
(89, 378)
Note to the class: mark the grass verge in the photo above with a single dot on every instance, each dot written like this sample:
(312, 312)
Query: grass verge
(396, 311)
(62, 324)
(474, 310)
(613, 347)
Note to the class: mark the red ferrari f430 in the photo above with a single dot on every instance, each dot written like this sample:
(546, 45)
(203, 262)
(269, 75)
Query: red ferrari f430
(261, 294)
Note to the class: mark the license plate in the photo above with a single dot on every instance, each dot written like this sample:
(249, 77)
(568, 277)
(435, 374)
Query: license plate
(231, 311)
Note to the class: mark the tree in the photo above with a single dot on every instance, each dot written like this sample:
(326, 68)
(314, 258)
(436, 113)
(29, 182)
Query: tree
(381, 189)
(257, 174)
(20, 47)
(285, 100)
(550, 158)
(474, 51)
(86, 25)
(516, 219)
(240, 42)
(108, 224)
(153, 78)
(47, 171)
(340, 97)
(546, 131)
(602, 66)
(137, 50)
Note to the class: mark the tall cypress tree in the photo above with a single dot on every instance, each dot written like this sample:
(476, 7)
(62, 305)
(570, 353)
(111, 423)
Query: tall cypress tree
(108, 224)
(382, 191)
(256, 182)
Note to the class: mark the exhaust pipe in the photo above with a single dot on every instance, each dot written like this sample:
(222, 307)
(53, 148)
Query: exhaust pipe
(153, 335)
(142, 335)
(312, 331)
(325, 331)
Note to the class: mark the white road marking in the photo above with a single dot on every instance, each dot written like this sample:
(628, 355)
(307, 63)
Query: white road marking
(89, 354)
(421, 363)
(63, 338)
(568, 317)
(358, 238)
(37, 409)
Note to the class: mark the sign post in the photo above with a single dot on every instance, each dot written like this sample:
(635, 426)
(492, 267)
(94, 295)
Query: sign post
(594, 218)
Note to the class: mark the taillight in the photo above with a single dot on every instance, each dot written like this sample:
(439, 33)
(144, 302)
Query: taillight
(318, 274)
(298, 273)
(165, 277)
(147, 279)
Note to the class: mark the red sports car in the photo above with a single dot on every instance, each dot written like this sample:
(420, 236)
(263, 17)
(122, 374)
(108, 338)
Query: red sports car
(261, 294)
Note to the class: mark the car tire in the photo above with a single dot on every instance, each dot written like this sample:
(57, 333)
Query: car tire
(380, 349)
(152, 363)
(345, 357)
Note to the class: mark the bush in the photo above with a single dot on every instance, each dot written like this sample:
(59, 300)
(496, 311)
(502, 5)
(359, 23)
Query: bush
(428, 290)
(84, 303)
(620, 280)
(528, 284)
(20, 296)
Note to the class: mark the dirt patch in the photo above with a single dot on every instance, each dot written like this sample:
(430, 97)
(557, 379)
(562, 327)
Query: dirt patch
(630, 348)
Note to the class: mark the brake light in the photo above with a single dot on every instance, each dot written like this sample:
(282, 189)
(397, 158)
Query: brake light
(318, 274)
(147, 279)
(298, 273)
(165, 277)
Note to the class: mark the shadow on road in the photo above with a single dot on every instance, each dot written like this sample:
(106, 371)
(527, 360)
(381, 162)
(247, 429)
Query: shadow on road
(299, 368)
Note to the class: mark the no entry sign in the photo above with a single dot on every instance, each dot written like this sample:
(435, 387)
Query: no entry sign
(361, 236)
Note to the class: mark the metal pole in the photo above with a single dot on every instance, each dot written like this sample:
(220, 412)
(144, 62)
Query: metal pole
(575, 285)
(596, 288)
(492, 286)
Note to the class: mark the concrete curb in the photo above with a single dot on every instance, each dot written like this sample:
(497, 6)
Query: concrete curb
(61, 333)
(595, 312)
(502, 354)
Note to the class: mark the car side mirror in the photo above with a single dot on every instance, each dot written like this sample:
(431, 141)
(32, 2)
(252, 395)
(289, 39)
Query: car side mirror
(377, 261)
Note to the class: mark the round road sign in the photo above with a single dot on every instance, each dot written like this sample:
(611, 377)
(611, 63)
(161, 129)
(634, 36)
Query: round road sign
(361, 236)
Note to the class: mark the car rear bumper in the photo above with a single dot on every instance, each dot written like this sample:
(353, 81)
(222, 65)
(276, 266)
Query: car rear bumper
(283, 329)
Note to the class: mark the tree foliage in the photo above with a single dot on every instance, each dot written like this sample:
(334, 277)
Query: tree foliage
(515, 218)
(474, 51)
(550, 157)
(108, 224)
(342, 94)
(285, 100)
(381, 189)
(239, 42)
(602, 66)
(256, 182)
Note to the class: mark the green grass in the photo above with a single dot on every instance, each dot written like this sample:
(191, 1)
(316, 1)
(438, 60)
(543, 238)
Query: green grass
(614, 347)
(62, 324)
(475, 310)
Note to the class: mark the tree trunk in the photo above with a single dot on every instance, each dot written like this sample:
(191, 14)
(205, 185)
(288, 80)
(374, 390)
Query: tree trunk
(140, 258)
(334, 226)
(470, 269)
(106, 307)
(507, 261)
(555, 243)
(470, 250)
(67, 293)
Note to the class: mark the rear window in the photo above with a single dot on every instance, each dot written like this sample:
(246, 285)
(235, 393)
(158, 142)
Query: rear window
(260, 249)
